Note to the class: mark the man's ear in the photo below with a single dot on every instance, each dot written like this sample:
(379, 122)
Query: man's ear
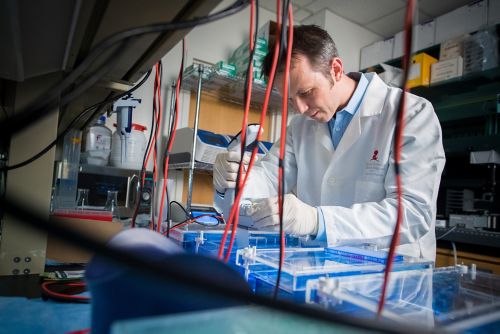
(336, 69)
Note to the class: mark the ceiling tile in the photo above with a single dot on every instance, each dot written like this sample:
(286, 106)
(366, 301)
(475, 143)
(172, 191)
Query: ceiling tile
(437, 8)
(301, 14)
(301, 3)
(358, 11)
(391, 24)
(268, 4)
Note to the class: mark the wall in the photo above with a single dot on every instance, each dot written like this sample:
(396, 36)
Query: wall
(348, 36)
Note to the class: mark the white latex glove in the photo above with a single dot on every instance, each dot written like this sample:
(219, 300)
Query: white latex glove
(299, 218)
(226, 170)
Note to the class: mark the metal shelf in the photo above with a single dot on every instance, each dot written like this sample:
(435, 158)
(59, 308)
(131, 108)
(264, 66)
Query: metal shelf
(107, 170)
(202, 166)
(470, 236)
(229, 89)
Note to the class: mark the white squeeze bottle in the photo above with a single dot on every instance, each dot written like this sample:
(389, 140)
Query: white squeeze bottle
(97, 144)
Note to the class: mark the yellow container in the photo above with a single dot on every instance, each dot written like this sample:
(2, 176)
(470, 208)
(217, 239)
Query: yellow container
(420, 70)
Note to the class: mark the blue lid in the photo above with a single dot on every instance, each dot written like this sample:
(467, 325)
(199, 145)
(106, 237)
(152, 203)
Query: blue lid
(102, 118)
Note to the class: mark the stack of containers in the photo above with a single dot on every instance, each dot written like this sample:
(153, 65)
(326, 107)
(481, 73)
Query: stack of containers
(481, 51)
(450, 64)
(241, 56)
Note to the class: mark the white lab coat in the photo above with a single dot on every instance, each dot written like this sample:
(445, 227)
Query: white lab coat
(354, 185)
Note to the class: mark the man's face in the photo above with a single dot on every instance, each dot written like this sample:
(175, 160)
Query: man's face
(311, 92)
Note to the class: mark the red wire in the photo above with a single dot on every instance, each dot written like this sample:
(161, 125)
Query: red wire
(234, 222)
(172, 137)
(235, 208)
(50, 293)
(153, 130)
(154, 147)
(284, 121)
(154, 135)
(397, 155)
(192, 220)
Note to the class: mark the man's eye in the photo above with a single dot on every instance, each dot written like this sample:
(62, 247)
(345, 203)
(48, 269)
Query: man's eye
(305, 93)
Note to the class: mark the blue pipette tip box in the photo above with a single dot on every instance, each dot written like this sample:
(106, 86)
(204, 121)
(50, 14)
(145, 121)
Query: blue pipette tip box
(363, 254)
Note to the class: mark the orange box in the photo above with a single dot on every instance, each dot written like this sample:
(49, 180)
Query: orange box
(420, 70)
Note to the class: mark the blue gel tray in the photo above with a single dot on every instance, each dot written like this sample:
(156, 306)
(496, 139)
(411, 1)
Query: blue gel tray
(363, 254)
(303, 264)
(443, 299)
(192, 236)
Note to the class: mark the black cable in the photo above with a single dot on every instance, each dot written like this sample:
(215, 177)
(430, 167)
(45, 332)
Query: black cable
(173, 128)
(143, 169)
(182, 207)
(447, 232)
(36, 109)
(169, 216)
(5, 111)
(245, 94)
(197, 283)
(74, 121)
(239, 133)
(155, 129)
(23, 119)
(284, 18)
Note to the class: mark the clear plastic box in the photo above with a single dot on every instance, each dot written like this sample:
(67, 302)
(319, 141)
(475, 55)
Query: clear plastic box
(455, 299)
(195, 237)
(303, 264)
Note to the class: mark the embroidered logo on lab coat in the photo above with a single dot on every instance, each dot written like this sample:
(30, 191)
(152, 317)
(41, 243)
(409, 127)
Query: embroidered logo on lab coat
(374, 168)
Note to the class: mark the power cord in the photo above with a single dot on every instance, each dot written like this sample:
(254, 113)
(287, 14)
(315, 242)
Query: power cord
(66, 291)
(398, 135)
(39, 107)
(287, 9)
(73, 122)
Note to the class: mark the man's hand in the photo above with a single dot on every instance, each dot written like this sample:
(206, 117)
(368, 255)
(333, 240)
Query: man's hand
(226, 170)
(299, 218)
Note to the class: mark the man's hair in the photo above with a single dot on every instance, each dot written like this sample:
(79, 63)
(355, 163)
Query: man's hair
(311, 42)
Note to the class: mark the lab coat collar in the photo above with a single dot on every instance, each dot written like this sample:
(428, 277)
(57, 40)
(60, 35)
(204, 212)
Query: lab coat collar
(375, 96)
(371, 105)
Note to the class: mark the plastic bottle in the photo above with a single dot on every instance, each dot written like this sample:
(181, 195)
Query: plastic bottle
(97, 146)
(67, 181)
(133, 151)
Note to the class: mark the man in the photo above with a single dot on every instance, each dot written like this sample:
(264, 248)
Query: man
(340, 179)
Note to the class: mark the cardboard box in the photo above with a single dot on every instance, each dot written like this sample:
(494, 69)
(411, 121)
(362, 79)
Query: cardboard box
(420, 70)
(465, 19)
(481, 51)
(447, 69)
(426, 35)
(392, 76)
(376, 53)
(423, 37)
(398, 45)
(64, 252)
(452, 48)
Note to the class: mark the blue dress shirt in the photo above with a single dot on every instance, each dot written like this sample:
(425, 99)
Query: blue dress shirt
(337, 126)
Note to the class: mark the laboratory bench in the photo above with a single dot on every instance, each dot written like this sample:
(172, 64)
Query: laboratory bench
(343, 280)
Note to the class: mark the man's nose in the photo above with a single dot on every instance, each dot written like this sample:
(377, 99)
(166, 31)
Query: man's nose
(300, 106)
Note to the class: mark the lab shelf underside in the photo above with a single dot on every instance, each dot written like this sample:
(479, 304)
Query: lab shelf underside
(470, 236)
(198, 166)
(230, 89)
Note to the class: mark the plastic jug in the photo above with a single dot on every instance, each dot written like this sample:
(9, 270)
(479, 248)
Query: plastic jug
(128, 151)
(97, 146)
